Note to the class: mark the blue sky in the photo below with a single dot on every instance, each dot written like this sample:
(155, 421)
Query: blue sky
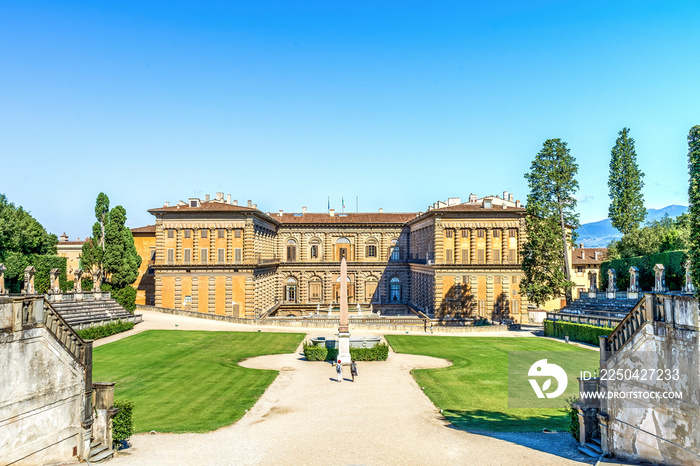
(287, 103)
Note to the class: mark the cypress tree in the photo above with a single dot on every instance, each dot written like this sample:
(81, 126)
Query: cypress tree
(625, 183)
(694, 201)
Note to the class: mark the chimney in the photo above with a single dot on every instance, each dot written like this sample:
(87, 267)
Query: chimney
(381, 210)
(280, 214)
(255, 206)
(228, 199)
(583, 255)
(596, 255)
(505, 195)
(303, 210)
(207, 198)
(219, 196)
(517, 203)
(510, 197)
(332, 212)
(235, 202)
(250, 203)
(167, 204)
(472, 197)
(580, 245)
(64, 237)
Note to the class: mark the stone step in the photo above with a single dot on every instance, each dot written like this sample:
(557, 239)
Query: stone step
(97, 449)
(596, 440)
(104, 456)
(588, 451)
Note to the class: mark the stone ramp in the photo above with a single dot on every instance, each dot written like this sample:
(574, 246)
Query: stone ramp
(83, 314)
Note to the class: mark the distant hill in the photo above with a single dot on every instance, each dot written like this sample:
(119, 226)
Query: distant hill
(599, 234)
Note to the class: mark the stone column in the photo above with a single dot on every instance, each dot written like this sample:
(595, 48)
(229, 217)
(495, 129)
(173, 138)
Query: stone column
(634, 283)
(105, 411)
(29, 280)
(2, 278)
(660, 278)
(687, 288)
(54, 284)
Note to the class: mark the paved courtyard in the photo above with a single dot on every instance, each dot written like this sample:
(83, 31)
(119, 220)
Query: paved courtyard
(306, 417)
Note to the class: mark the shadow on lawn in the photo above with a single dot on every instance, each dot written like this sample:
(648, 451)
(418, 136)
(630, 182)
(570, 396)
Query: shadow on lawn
(521, 430)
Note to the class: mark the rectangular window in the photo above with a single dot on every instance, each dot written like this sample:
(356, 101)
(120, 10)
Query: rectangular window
(171, 255)
(512, 232)
(448, 256)
(497, 280)
(153, 254)
(222, 233)
(496, 233)
(171, 233)
(187, 253)
(511, 256)
(465, 280)
(204, 233)
(221, 255)
(448, 233)
(315, 291)
(481, 233)
(204, 255)
(188, 233)
(465, 233)
(482, 307)
(237, 255)
(395, 254)
(515, 306)
(371, 250)
(480, 256)
(291, 253)
(496, 256)
(237, 232)
(314, 251)
(465, 256)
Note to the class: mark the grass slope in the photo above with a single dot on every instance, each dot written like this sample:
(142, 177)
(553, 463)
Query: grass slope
(473, 393)
(186, 381)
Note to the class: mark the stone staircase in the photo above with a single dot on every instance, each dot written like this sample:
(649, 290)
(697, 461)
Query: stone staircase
(99, 453)
(84, 314)
(600, 307)
(592, 448)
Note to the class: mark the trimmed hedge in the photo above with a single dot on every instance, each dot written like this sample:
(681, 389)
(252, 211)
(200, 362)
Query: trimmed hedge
(574, 427)
(102, 331)
(126, 296)
(321, 353)
(16, 263)
(122, 423)
(576, 332)
(672, 261)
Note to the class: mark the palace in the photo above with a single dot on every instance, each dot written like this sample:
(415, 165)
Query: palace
(454, 260)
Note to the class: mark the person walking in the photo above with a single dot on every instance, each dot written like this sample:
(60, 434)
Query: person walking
(339, 370)
(353, 369)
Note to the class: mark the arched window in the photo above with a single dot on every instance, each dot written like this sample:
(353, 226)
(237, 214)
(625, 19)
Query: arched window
(395, 290)
(315, 289)
(314, 248)
(291, 250)
(336, 290)
(394, 251)
(291, 290)
(371, 289)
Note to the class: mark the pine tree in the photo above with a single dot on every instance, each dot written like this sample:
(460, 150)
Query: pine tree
(694, 201)
(551, 209)
(121, 261)
(94, 248)
(625, 182)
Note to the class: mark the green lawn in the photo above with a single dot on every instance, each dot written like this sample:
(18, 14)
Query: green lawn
(182, 381)
(474, 391)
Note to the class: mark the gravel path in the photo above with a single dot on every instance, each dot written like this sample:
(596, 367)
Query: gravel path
(306, 417)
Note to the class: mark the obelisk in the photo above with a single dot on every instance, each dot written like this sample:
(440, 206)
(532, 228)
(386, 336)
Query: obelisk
(344, 329)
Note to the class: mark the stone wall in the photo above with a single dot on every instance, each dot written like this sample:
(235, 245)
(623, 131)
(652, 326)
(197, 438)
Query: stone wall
(42, 391)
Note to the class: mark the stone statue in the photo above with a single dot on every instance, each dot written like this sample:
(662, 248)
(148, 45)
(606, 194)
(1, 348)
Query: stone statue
(592, 282)
(660, 278)
(634, 280)
(688, 288)
(2, 278)
(54, 285)
(29, 280)
(612, 281)
(96, 281)
(359, 310)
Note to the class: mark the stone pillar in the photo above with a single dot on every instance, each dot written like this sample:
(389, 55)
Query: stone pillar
(28, 287)
(587, 408)
(2, 278)
(78, 285)
(96, 281)
(54, 284)
(634, 279)
(103, 393)
(687, 288)
(660, 278)
(612, 283)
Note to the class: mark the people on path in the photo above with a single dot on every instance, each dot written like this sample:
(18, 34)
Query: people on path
(353, 369)
(339, 370)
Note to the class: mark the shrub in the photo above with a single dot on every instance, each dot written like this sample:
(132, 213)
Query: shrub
(574, 427)
(122, 423)
(126, 297)
(16, 263)
(102, 331)
(672, 261)
(576, 332)
(321, 353)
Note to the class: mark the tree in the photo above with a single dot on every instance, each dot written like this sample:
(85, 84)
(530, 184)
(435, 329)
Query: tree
(21, 233)
(667, 234)
(625, 182)
(94, 248)
(694, 201)
(551, 216)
